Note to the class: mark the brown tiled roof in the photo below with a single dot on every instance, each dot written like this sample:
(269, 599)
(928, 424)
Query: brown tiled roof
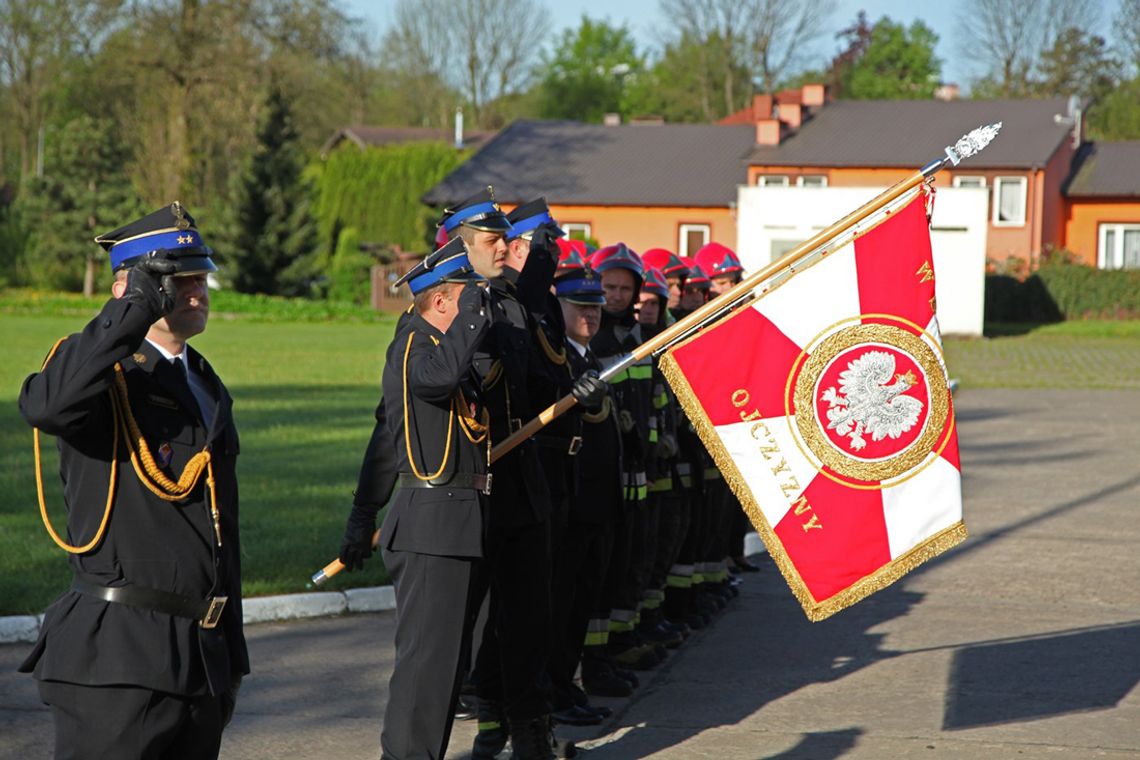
(911, 133)
(1106, 169)
(375, 136)
(572, 163)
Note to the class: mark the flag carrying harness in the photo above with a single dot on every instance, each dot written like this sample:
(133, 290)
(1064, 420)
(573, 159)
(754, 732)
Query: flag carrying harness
(149, 473)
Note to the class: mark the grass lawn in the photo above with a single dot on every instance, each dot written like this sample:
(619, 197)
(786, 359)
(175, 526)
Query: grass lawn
(304, 394)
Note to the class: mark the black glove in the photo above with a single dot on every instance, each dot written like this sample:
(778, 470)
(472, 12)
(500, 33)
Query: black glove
(357, 544)
(590, 391)
(474, 299)
(229, 701)
(150, 284)
(544, 236)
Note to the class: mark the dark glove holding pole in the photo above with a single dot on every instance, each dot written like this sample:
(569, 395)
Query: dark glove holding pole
(590, 391)
(357, 544)
(544, 236)
(150, 285)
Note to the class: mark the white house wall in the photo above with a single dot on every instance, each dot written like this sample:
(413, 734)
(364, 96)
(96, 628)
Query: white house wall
(772, 220)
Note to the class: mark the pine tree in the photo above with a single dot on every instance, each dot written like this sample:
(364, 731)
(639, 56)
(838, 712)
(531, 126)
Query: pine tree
(275, 235)
(84, 191)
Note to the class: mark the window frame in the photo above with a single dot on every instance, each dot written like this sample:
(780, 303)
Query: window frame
(1118, 228)
(683, 229)
(998, 183)
(822, 177)
(762, 180)
(957, 180)
(568, 228)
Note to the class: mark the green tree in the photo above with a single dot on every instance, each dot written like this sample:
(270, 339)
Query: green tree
(275, 235)
(1078, 63)
(84, 191)
(587, 74)
(688, 83)
(889, 61)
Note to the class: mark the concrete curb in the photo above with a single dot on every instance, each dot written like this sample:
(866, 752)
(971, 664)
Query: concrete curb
(24, 629)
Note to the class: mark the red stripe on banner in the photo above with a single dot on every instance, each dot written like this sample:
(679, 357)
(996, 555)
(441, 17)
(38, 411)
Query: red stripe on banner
(896, 266)
(745, 352)
(838, 537)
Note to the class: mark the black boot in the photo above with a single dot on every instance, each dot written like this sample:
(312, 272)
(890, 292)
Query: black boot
(531, 739)
(492, 736)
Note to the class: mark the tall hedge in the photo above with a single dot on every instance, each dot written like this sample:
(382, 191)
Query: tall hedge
(1061, 289)
(377, 191)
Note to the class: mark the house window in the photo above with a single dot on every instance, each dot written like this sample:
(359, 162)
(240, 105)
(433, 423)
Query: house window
(969, 181)
(812, 180)
(779, 248)
(1009, 201)
(576, 230)
(772, 180)
(691, 238)
(1119, 246)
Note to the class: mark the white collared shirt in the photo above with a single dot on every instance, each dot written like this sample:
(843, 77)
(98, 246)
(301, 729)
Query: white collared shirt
(577, 346)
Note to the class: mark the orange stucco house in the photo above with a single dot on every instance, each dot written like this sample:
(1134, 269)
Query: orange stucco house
(675, 185)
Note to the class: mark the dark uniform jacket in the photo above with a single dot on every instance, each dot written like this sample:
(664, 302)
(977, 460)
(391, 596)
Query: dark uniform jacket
(504, 364)
(438, 521)
(169, 546)
(633, 397)
(598, 495)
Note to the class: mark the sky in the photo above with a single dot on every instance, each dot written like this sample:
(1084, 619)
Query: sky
(644, 19)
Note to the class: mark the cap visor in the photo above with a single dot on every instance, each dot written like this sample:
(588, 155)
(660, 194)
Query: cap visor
(585, 299)
(191, 265)
(489, 224)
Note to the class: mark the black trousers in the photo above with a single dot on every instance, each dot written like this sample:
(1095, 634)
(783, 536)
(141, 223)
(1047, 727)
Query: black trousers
(580, 562)
(131, 723)
(434, 599)
(510, 666)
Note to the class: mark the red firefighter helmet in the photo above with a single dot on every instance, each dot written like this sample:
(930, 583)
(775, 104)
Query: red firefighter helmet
(717, 260)
(668, 262)
(618, 256)
(655, 283)
(697, 277)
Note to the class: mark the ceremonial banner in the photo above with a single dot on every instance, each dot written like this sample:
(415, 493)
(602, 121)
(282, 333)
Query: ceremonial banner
(825, 404)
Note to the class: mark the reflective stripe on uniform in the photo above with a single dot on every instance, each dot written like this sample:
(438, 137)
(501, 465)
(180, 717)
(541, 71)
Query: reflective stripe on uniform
(712, 473)
(661, 484)
(490, 725)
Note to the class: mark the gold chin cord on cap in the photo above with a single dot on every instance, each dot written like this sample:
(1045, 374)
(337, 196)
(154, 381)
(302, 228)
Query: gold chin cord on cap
(147, 470)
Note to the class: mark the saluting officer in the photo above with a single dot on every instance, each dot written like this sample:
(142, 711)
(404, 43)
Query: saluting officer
(432, 537)
(143, 655)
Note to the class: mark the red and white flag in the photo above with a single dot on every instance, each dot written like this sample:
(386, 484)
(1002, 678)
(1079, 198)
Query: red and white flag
(825, 404)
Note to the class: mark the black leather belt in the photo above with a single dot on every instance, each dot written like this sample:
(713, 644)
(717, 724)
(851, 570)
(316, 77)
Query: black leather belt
(206, 611)
(567, 445)
(458, 480)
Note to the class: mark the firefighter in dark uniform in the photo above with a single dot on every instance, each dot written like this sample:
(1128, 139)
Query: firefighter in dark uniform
(622, 274)
(510, 667)
(143, 655)
(432, 536)
(597, 502)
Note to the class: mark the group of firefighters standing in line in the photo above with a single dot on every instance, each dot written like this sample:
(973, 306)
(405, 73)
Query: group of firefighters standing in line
(599, 542)
(602, 541)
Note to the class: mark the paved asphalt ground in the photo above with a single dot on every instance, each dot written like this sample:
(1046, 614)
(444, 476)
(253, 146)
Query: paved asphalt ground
(1023, 642)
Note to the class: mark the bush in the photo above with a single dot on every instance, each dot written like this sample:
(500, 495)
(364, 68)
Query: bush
(1063, 289)
(350, 276)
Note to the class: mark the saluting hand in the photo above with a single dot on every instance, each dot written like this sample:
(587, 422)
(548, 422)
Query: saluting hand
(474, 299)
(150, 284)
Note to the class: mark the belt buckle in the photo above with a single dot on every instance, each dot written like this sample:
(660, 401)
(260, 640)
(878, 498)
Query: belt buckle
(214, 614)
(575, 445)
(515, 424)
(487, 485)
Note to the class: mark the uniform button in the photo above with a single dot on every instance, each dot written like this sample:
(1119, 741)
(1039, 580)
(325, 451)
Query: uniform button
(106, 323)
(449, 493)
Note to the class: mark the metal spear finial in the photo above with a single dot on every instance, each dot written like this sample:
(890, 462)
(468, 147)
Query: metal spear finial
(972, 143)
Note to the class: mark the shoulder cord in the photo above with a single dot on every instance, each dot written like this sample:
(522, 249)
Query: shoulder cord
(556, 357)
(601, 414)
(147, 470)
(408, 430)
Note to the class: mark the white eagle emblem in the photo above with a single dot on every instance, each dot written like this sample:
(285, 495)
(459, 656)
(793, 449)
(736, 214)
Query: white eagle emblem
(868, 405)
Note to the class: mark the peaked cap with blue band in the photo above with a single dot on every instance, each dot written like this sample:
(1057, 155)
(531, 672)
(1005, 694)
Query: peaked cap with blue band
(528, 217)
(480, 211)
(448, 264)
(581, 286)
(170, 230)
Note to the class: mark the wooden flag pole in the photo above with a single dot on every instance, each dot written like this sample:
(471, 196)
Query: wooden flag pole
(968, 145)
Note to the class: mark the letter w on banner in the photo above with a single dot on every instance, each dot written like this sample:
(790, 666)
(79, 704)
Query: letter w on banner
(825, 404)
